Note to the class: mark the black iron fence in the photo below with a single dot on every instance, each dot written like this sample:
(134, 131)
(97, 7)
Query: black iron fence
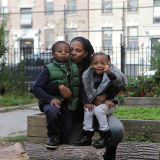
(136, 62)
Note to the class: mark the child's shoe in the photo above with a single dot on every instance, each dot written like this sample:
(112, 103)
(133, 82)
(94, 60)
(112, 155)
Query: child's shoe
(86, 139)
(105, 136)
(52, 143)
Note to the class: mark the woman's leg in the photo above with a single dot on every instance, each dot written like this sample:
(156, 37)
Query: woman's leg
(117, 130)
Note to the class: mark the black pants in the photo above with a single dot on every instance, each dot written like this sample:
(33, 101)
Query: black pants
(59, 122)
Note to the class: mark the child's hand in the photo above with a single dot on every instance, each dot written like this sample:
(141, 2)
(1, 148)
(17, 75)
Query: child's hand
(89, 106)
(65, 92)
(109, 103)
(107, 67)
(55, 102)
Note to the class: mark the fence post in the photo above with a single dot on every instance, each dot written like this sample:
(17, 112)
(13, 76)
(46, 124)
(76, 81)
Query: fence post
(65, 33)
(122, 57)
(123, 44)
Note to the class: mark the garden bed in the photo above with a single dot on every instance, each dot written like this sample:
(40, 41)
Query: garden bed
(37, 132)
(140, 101)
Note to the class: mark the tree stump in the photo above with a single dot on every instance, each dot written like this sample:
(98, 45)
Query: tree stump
(14, 152)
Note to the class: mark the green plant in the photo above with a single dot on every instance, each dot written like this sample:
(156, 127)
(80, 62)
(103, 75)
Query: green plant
(145, 136)
(15, 139)
(141, 113)
(16, 100)
(121, 98)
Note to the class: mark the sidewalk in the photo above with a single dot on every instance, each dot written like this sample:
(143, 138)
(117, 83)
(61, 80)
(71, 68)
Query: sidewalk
(14, 122)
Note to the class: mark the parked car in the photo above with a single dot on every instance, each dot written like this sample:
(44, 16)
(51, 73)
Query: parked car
(34, 64)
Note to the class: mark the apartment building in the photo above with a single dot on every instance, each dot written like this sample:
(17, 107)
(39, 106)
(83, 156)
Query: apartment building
(37, 24)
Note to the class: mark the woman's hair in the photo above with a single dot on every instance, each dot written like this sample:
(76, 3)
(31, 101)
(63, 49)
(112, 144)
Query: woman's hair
(58, 42)
(87, 47)
(101, 53)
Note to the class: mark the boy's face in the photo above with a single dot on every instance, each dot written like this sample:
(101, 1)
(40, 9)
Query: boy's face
(61, 52)
(98, 63)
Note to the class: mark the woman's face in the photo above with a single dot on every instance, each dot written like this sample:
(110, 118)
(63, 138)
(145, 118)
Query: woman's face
(78, 52)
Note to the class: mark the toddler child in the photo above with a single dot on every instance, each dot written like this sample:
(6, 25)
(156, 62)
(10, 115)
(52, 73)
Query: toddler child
(96, 79)
(59, 108)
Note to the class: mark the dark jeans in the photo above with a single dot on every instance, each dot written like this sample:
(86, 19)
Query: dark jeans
(59, 122)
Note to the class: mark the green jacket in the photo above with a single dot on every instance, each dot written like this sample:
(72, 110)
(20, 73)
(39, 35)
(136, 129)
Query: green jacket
(58, 73)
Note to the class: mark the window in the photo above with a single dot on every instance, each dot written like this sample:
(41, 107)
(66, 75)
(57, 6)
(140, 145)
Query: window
(26, 18)
(4, 7)
(49, 38)
(132, 38)
(132, 5)
(71, 35)
(156, 14)
(107, 4)
(107, 38)
(49, 7)
(72, 5)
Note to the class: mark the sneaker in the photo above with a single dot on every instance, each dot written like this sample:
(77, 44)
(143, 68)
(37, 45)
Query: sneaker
(52, 143)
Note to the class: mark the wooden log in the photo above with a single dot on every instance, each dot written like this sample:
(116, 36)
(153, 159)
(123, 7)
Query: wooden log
(63, 152)
(14, 152)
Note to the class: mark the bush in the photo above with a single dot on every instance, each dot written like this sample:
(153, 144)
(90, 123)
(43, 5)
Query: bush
(13, 79)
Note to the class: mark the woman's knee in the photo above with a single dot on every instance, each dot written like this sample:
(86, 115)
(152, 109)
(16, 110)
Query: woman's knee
(117, 129)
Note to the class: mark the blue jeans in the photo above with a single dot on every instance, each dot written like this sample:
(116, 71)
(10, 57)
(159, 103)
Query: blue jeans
(115, 125)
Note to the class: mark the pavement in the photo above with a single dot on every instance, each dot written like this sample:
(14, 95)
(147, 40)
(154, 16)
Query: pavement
(14, 121)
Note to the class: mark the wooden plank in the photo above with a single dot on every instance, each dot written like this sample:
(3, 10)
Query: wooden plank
(36, 131)
(141, 101)
(136, 125)
(36, 120)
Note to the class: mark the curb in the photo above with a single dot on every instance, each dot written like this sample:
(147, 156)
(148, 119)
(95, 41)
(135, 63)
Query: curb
(16, 107)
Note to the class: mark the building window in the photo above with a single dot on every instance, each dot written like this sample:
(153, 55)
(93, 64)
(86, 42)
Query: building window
(156, 14)
(26, 18)
(107, 4)
(132, 5)
(4, 7)
(49, 7)
(72, 34)
(107, 39)
(49, 34)
(132, 38)
(72, 6)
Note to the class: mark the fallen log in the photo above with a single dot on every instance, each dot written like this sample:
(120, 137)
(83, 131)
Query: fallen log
(14, 152)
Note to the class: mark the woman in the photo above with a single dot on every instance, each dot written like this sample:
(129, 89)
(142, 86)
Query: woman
(81, 51)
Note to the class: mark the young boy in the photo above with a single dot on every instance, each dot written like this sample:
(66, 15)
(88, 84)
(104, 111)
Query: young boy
(60, 107)
(97, 78)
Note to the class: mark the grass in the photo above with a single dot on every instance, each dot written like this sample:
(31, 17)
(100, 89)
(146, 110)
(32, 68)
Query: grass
(15, 139)
(140, 113)
(17, 132)
(15, 100)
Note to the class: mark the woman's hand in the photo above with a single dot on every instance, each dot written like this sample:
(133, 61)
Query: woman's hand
(109, 103)
(100, 99)
(65, 92)
(89, 106)
(55, 102)
(107, 67)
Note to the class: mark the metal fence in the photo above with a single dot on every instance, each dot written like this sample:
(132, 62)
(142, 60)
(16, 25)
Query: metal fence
(127, 33)
(138, 62)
